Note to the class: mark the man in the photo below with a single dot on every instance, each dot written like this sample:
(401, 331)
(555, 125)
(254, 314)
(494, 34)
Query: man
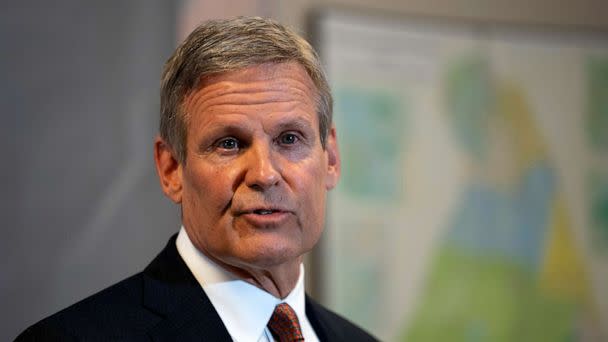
(248, 149)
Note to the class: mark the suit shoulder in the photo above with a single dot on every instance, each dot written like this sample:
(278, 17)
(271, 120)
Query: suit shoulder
(114, 311)
(340, 326)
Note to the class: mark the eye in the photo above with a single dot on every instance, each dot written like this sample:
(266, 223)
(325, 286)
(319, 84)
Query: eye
(229, 143)
(288, 138)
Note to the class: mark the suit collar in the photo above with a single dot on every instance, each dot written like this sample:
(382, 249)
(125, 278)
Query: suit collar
(315, 314)
(171, 291)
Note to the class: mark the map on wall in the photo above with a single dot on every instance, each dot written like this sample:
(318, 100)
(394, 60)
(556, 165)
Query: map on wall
(474, 199)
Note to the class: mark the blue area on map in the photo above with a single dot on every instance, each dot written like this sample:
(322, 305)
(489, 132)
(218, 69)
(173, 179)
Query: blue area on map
(371, 140)
(511, 224)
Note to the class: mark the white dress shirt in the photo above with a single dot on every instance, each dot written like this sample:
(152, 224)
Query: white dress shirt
(244, 308)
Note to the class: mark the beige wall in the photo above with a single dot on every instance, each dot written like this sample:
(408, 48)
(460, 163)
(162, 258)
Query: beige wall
(569, 13)
(585, 14)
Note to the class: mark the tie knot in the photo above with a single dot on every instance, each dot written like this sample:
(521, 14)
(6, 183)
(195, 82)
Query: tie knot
(284, 324)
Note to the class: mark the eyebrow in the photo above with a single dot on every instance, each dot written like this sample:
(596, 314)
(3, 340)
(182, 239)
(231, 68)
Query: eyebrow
(286, 122)
(294, 123)
(218, 128)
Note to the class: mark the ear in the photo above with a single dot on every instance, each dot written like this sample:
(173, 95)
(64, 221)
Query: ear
(333, 159)
(169, 170)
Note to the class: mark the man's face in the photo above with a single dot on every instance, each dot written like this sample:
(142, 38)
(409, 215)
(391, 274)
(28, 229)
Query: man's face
(254, 182)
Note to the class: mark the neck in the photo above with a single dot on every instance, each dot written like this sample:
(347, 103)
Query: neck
(278, 280)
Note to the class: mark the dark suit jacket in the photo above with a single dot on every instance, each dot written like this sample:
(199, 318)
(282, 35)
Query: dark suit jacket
(163, 303)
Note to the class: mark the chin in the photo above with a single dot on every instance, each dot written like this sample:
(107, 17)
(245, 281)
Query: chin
(271, 255)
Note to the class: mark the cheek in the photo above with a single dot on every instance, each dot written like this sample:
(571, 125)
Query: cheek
(311, 188)
(314, 220)
(205, 197)
(206, 191)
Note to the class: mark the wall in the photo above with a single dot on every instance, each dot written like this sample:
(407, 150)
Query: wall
(585, 13)
(81, 203)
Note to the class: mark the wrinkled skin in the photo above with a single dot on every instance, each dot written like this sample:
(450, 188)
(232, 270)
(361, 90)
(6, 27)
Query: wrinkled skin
(254, 183)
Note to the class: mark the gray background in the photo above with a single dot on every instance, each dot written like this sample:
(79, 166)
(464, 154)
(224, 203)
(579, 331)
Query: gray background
(81, 205)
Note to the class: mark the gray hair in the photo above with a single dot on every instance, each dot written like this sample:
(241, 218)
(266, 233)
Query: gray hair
(219, 46)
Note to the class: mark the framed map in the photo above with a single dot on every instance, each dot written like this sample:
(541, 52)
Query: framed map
(473, 204)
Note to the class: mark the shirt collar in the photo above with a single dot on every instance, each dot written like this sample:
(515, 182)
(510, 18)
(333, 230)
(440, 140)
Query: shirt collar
(244, 308)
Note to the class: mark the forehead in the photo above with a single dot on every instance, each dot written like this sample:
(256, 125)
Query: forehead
(270, 86)
(261, 72)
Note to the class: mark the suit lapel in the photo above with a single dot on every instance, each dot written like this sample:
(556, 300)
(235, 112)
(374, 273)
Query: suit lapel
(320, 322)
(171, 291)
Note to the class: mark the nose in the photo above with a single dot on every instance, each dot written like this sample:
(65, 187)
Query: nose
(262, 173)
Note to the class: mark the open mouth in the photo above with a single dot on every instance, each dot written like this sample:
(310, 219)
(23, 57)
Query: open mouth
(264, 211)
(265, 217)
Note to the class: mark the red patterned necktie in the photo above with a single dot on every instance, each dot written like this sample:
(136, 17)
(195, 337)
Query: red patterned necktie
(284, 324)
